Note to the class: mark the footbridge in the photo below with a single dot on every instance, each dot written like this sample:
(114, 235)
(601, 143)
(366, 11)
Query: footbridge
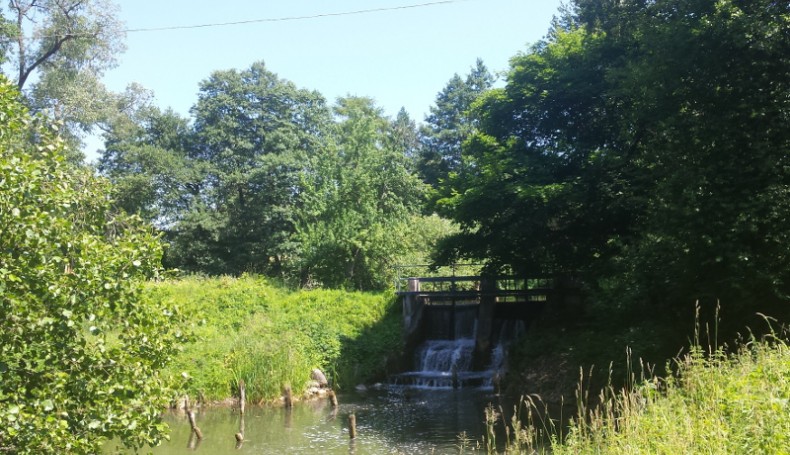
(438, 306)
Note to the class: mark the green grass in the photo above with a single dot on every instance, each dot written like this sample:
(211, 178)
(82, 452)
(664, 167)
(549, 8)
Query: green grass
(250, 329)
(711, 403)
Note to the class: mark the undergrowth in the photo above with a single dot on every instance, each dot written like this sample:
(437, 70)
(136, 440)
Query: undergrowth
(250, 329)
(710, 402)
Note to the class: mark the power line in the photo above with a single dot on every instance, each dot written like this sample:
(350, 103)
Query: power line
(294, 18)
(257, 21)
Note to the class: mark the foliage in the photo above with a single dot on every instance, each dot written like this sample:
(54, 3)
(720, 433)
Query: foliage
(247, 328)
(640, 145)
(57, 51)
(253, 131)
(226, 187)
(146, 157)
(448, 124)
(266, 180)
(358, 196)
(80, 350)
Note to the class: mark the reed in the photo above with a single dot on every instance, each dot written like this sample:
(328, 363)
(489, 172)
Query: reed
(712, 402)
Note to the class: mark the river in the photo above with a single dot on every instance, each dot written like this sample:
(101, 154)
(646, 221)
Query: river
(391, 421)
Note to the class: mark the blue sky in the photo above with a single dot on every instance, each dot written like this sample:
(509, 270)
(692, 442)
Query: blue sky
(400, 58)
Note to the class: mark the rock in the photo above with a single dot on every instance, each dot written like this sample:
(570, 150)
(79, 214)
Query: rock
(361, 388)
(313, 392)
(319, 377)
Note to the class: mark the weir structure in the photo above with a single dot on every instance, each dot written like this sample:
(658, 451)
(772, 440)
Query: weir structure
(444, 307)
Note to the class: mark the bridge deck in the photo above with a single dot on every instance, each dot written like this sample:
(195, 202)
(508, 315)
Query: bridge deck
(457, 289)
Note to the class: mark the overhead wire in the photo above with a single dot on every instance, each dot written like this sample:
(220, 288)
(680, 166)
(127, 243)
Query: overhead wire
(275, 19)
(295, 18)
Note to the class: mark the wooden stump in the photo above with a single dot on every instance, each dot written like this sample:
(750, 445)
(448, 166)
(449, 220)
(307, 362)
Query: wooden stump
(195, 429)
(352, 426)
(288, 397)
(242, 396)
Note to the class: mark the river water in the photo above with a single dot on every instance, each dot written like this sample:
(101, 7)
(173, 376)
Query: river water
(392, 421)
(438, 408)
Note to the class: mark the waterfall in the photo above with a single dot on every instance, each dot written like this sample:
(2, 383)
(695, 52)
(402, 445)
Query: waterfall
(445, 360)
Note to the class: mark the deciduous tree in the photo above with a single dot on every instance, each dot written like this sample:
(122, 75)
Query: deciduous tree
(57, 52)
(253, 133)
(80, 350)
(642, 144)
(359, 199)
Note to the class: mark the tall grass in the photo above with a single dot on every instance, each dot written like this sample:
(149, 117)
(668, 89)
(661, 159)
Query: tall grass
(250, 329)
(712, 403)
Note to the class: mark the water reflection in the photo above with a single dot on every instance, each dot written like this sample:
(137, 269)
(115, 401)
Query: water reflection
(395, 421)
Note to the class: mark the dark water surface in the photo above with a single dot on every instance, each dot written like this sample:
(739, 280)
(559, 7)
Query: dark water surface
(392, 421)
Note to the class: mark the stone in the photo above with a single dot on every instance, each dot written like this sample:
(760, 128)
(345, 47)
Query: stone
(319, 377)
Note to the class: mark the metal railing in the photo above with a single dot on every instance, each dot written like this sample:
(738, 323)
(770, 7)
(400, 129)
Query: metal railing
(472, 287)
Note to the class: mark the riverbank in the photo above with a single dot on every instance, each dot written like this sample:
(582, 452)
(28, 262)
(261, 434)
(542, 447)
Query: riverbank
(270, 337)
(649, 382)
(709, 402)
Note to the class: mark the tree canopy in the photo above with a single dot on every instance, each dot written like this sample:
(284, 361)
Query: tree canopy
(643, 145)
(359, 197)
(56, 51)
(268, 178)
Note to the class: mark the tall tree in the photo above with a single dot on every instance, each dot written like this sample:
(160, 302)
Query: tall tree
(359, 196)
(640, 142)
(57, 51)
(253, 132)
(405, 136)
(448, 124)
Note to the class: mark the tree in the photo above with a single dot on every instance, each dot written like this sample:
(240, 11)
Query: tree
(58, 51)
(638, 144)
(405, 136)
(146, 157)
(252, 135)
(80, 350)
(449, 124)
(359, 198)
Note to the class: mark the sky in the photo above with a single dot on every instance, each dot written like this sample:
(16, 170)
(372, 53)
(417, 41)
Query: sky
(401, 56)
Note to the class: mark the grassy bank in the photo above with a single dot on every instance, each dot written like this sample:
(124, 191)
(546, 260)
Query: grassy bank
(710, 402)
(250, 329)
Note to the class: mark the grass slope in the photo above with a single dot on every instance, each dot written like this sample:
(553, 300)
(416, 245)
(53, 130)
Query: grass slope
(249, 329)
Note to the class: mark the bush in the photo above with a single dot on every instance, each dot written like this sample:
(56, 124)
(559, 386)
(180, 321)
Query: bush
(80, 351)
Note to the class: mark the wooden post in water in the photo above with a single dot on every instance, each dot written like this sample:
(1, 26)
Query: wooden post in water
(242, 401)
(242, 396)
(332, 398)
(191, 416)
(352, 426)
(288, 397)
(195, 429)
(240, 434)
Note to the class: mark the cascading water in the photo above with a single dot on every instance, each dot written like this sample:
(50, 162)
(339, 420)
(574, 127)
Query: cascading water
(445, 362)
